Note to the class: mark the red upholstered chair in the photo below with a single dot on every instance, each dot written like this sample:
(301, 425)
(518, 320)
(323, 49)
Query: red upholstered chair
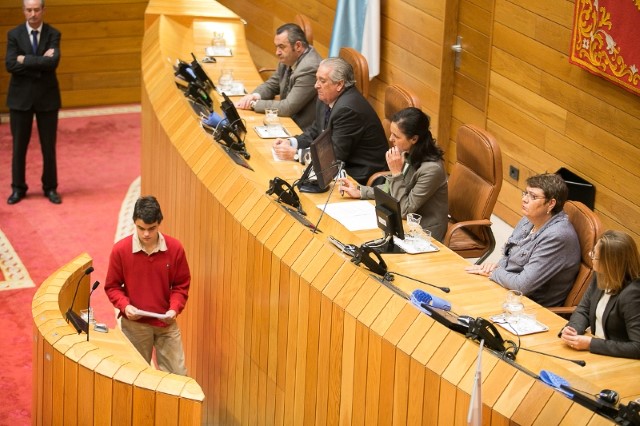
(360, 68)
(588, 227)
(474, 185)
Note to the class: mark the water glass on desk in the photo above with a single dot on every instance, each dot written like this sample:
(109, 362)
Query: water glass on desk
(218, 39)
(271, 119)
(513, 306)
(413, 224)
(226, 79)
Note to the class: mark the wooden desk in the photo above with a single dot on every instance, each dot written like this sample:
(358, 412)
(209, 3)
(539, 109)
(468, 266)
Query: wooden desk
(280, 327)
(104, 381)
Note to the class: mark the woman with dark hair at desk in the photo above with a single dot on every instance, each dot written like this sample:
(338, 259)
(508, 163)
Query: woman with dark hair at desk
(611, 305)
(417, 178)
(541, 258)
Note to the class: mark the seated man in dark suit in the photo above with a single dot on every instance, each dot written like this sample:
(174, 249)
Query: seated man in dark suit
(358, 137)
(293, 80)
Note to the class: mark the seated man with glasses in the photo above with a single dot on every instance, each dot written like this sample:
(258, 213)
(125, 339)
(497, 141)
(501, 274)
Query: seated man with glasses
(541, 258)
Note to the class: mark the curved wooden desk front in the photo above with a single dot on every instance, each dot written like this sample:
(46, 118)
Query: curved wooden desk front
(280, 328)
(103, 381)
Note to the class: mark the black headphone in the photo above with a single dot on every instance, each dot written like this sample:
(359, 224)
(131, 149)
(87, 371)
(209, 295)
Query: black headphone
(609, 396)
(510, 350)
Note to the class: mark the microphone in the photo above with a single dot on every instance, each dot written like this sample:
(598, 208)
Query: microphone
(340, 165)
(579, 362)
(78, 323)
(89, 313)
(444, 289)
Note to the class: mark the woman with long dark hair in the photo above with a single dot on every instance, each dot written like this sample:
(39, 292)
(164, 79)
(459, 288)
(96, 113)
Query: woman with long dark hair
(418, 179)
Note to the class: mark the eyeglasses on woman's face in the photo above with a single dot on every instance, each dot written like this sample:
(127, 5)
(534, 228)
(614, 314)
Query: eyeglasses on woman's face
(531, 196)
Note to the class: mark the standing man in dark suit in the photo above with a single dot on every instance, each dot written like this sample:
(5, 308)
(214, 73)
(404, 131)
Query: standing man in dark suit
(33, 54)
(357, 134)
(293, 80)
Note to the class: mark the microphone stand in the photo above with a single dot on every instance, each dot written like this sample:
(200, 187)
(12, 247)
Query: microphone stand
(78, 323)
(340, 165)
(89, 313)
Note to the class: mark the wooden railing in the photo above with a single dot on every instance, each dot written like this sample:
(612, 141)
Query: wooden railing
(103, 381)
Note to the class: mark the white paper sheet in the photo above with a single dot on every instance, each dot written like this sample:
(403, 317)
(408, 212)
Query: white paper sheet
(355, 215)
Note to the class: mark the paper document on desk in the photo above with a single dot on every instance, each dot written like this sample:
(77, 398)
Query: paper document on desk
(271, 132)
(354, 215)
(151, 314)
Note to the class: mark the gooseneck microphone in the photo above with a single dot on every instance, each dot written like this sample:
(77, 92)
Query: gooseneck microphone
(78, 323)
(579, 362)
(340, 165)
(89, 313)
(445, 289)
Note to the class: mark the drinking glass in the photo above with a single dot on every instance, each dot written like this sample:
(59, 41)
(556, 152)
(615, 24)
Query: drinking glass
(218, 39)
(271, 119)
(226, 79)
(413, 223)
(513, 306)
(426, 235)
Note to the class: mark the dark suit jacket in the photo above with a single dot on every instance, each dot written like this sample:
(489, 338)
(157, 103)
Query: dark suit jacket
(33, 83)
(358, 137)
(621, 320)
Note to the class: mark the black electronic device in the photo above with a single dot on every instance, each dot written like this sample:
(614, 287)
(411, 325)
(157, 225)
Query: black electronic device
(446, 318)
(323, 164)
(229, 137)
(371, 258)
(237, 157)
(231, 113)
(628, 415)
(389, 218)
(183, 71)
(198, 94)
(285, 193)
(200, 73)
(587, 400)
(78, 323)
(481, 329)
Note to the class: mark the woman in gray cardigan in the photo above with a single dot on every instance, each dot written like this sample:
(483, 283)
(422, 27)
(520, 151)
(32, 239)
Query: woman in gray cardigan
(542, 256)
(610, 307)
(417, 178)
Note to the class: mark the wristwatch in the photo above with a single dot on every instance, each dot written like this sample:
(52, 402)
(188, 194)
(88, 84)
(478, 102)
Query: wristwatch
(296, 156)
(252, 104)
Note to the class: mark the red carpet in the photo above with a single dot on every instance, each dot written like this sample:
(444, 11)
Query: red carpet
(98, 158)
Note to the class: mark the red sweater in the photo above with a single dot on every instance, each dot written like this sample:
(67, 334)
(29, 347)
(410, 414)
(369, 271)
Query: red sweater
(155, 283)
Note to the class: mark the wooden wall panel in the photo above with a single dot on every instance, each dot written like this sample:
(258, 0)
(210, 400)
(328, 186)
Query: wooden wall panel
(100, 49)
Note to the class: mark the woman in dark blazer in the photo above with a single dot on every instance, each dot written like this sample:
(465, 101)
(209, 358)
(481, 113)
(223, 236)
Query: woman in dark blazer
(611, 305)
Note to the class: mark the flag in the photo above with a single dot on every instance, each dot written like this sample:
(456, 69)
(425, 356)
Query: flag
(474, 417)
(357, 25)
(605, 41)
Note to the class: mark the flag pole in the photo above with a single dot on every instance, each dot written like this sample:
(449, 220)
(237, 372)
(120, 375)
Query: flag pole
(474, 416)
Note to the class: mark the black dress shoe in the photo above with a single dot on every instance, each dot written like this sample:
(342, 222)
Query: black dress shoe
(53, 196)
(15, 197)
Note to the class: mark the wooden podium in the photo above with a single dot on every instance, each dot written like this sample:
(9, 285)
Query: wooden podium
(103, 381)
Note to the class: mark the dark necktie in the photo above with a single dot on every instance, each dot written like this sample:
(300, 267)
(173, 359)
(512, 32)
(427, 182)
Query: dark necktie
(327, 114)
(34, 41)
(285, 88)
